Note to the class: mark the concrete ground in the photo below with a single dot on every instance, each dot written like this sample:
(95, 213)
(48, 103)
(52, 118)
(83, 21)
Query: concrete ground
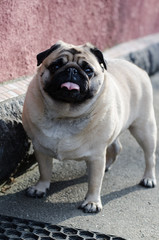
(129, 210)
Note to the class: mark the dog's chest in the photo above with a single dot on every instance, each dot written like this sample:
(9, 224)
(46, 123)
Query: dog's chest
(63, 139)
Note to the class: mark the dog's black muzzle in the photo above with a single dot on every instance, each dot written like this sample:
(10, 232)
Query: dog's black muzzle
(69, 84)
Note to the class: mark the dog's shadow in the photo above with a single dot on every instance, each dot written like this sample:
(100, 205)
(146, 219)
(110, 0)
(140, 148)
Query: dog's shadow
(57, 211)
(121, 193)
(58, 186)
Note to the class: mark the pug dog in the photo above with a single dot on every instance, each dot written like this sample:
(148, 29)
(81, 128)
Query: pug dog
(76, 107)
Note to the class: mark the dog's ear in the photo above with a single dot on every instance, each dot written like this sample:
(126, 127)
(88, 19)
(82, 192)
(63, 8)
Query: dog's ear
(41, 56)
(99, 56)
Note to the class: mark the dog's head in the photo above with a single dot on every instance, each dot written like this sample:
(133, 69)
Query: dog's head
(71, 73)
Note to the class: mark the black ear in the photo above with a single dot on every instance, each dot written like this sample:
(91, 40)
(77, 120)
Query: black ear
(99, 56)
(41, 56)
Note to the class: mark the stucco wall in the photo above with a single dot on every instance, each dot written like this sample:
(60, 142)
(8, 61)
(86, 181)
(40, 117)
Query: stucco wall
(28, 27)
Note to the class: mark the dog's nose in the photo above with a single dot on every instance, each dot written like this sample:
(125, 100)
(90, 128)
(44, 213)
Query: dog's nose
(72, 70)
(72, 73)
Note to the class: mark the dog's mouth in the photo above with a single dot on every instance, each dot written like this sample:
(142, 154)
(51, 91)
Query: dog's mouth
(69, 92)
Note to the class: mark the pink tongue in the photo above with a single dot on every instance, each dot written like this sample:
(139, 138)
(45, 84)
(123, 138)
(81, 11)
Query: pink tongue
(70, 86)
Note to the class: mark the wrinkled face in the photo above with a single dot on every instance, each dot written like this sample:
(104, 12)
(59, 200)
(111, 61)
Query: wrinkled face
(71, 74)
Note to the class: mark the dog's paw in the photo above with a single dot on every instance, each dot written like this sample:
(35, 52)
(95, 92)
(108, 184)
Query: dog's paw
(91, 207)
(39, 190)
(148, 182)
(34, 193)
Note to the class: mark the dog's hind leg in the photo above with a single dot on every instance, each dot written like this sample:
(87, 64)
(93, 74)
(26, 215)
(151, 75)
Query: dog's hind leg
(112, 153)
(45, 168)
(145, 132)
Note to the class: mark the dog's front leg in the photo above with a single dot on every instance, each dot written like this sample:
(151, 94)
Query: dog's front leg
(45, 168)
(96, 169)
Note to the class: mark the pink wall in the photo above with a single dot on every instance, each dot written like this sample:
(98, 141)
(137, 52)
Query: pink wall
(28, 27)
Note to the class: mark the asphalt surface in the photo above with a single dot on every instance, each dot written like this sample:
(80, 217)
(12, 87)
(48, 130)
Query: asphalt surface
(129, 210)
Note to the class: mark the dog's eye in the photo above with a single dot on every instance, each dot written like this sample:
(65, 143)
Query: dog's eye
(89, 71)
(53, 67)
(56, 65)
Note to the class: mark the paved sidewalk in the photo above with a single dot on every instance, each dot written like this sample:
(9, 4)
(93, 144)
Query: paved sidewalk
(14, 89)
